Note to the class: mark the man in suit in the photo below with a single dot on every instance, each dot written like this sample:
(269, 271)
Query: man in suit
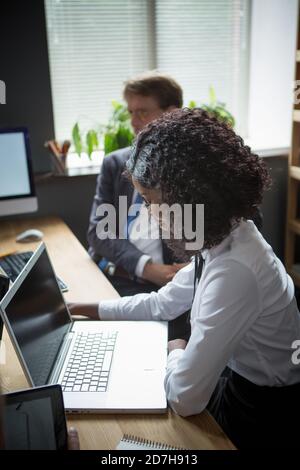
(139, 263)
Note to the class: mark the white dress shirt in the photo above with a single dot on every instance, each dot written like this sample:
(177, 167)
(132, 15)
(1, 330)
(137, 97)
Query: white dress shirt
(146, 238)
(243, 315)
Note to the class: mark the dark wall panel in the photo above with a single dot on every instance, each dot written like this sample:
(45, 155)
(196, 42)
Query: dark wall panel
(69, 198)
(25, 70)
(274, 205)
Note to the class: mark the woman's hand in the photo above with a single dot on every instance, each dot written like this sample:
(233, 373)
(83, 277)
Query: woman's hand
(85, 309)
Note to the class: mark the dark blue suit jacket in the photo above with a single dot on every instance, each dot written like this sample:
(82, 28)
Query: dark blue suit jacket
(111, 184)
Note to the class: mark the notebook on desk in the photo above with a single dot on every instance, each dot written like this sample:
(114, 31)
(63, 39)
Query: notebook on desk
(105, 367)
(129, 442)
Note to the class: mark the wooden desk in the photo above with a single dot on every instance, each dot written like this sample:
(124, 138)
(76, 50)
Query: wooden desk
(87, 283)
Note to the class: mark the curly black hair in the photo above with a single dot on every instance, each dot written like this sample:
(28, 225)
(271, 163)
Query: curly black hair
(195, 158)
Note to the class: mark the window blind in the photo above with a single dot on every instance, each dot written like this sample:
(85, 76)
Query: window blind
(204, 43)
(94, 45)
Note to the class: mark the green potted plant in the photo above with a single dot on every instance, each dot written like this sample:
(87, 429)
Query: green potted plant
(116, 134)
(216, 108)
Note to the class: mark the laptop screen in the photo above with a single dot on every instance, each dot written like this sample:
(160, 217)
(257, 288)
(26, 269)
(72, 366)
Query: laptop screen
(34, 419)
(39, 319)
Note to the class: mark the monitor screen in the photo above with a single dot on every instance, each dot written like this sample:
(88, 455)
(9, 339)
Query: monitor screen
(17, 194)
(39, 319)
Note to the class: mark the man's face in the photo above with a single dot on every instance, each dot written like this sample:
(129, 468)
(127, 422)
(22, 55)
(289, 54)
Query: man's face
(142, 110)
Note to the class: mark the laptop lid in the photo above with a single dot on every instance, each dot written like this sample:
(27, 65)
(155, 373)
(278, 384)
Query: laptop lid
(35, 419)
(36, 317)
(38, 322)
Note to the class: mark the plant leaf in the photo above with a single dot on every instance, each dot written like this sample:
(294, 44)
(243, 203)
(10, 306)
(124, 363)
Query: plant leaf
(212, 96)
(76, 137)
(110, 143)
(124, 136)
(192, 104)
(91, 142)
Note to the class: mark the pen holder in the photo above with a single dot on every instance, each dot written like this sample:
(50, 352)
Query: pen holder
(58, 154)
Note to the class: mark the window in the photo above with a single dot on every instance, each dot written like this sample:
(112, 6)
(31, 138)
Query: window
(205, 42)
(94, 45)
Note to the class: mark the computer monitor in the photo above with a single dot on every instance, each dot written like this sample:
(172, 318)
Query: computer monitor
(17, 191)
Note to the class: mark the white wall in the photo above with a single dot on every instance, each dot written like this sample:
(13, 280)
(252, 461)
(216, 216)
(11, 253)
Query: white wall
(272, 61)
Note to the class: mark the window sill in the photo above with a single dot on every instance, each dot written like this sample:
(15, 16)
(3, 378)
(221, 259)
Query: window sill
(69, 173)
(268, 149)
(272, 152)
(76, 166)
(88, 169)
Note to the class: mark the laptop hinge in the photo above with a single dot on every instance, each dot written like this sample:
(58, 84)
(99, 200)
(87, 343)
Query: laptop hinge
(53, 379)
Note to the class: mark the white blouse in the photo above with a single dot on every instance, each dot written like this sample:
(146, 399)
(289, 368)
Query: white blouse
(243, 315)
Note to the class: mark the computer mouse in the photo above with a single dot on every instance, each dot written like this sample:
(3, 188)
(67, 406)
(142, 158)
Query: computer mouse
(31, 235)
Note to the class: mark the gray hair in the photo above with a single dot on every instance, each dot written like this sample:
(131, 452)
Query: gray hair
(144, 164)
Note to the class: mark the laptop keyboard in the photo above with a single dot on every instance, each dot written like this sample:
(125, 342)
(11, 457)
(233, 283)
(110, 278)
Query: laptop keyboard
(13, 265)
(89, 366)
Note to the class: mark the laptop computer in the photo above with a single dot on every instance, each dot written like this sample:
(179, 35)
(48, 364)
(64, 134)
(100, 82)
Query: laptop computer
(102, 366)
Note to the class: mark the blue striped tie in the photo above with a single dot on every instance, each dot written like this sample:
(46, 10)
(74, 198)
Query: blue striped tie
(130, 218)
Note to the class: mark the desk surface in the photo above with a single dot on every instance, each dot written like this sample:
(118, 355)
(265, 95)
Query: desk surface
(86, 283)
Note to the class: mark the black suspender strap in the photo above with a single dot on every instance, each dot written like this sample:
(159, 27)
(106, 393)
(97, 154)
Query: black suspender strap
(199, 262)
